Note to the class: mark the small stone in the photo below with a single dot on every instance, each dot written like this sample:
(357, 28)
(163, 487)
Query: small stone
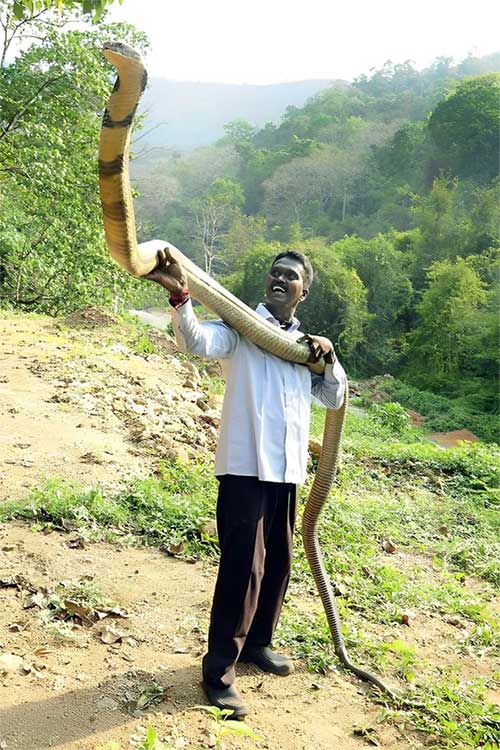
(107, 704)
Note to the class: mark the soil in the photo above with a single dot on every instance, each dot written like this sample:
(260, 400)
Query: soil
(79, 403)
(453, 438)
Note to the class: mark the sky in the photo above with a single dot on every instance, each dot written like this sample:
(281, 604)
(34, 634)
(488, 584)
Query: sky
(272, 41)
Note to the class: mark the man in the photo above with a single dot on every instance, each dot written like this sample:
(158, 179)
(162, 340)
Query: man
(261, 457)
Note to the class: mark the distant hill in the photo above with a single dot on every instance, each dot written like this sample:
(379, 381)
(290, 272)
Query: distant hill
(188, 114)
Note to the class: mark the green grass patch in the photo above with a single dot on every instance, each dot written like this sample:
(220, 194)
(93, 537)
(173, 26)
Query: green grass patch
(171, 510)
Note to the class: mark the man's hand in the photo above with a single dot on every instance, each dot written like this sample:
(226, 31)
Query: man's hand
(320, 347)
(168, 273)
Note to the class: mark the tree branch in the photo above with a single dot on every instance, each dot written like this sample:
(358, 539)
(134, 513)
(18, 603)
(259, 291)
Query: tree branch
(16, 117)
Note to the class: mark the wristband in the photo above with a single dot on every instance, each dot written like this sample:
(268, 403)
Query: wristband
(177, 300)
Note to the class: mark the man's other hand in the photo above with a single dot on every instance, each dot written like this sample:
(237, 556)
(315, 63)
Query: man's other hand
(168, 273)
(320, 346)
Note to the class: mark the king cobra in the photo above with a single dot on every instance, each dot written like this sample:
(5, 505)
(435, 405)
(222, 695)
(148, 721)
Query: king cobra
(119, 226)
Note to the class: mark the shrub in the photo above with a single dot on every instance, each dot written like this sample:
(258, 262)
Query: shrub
(391, 415)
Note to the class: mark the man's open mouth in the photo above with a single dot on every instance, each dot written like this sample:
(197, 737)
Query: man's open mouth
(276, 289)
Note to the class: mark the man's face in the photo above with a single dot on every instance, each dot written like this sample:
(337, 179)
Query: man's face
(285, 284)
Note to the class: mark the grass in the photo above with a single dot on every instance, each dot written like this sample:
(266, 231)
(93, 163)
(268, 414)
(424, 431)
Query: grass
(438, 508)
(169, 510)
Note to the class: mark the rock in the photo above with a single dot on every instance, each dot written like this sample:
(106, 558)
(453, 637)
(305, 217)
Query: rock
(208, 528)
(380, 396)
(174, 364)
(180, 451)
(192, 371)
(188, 421)
(12, 664)
(173, 427)
(107, 704)
(215, 401)
(212, 433)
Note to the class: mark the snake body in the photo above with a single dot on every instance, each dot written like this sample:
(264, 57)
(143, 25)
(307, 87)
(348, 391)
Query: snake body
(119, 225)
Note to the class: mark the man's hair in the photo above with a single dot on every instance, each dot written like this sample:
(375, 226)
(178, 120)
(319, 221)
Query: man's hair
(303, 260)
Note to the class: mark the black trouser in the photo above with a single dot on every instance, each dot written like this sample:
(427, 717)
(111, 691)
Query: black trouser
(255, 523)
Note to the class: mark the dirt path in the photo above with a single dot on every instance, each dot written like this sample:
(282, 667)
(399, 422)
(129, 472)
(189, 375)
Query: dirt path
(84, 404)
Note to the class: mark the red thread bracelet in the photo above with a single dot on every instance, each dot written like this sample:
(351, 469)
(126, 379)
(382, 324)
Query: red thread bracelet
(177, 300)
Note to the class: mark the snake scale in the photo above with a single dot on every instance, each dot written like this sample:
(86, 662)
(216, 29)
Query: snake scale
(119, 226)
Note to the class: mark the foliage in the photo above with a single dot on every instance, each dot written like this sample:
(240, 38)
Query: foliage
(224, 726)
(443, 414)
(389, 175)
(151, 741)
(168, 511)
(388, 183)
(336, 305)
(440, 511)
(392, 415)
(464, 126)
(448, 343)
(383, 269)
(20, 8)
(53, 257)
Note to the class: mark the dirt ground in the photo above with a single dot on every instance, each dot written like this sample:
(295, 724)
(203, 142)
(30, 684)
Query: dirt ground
(78, 404)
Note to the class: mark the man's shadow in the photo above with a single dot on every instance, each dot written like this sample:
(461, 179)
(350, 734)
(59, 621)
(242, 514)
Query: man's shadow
(76, 714)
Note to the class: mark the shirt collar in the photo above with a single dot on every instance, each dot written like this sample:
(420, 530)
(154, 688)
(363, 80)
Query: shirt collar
(264, 313)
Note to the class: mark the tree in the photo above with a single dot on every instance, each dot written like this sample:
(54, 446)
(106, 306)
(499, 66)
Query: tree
(197, 171)
(465, 128)
(385, 274)
(297, 190)
(53, 94)
(243, 233)
(443, 346)
(212, 217)
(445, 227)
(238, 131)
(21, 8)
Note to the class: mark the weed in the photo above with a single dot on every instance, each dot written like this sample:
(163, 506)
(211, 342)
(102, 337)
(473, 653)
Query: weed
(151, 741)
(144, 345)
(224, 726)
(391, 415)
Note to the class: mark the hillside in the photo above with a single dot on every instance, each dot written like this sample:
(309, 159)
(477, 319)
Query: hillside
(184, 115)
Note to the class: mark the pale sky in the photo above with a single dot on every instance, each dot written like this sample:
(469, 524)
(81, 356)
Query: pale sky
(270, 41)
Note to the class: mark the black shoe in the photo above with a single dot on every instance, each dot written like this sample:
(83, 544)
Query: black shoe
(226, 698)
(267, 660)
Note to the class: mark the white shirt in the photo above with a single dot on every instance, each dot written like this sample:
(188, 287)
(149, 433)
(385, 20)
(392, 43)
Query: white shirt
(264, 430)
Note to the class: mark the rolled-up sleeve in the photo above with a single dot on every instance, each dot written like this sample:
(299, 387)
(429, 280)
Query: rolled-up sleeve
(212, 338)
(329, 389)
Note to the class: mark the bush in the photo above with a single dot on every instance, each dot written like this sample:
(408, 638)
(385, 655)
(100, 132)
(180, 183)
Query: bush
(391, 415)
(443, 414)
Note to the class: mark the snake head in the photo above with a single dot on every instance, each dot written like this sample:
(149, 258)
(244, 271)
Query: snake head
(118, 52)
